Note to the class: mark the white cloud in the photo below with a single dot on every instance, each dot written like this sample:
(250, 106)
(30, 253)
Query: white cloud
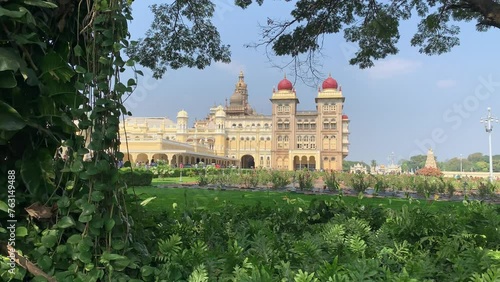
(393, 67)
(446, 83)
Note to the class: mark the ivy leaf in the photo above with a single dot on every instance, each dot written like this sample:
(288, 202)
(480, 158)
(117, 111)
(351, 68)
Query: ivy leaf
(97, 196)
(74, 239)
(109, 257)
(49, 240)
(77, 166)
(65, 222)
(21, 231)
(10, 119)
(9, 60)
(63, 202)
(109, 224)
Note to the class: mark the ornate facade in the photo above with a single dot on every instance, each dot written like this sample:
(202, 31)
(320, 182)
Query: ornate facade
(236, 135)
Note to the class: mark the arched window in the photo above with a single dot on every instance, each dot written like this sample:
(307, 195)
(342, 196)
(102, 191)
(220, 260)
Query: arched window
(287, 124)
(248, 138)
(280, 138)
(234, 138)
(253, 138)
(326, 124)
(306, 138)
(261, 138)
(299, 138)
(242, 138)
(286, 138)
(268, 138)
(312, 139)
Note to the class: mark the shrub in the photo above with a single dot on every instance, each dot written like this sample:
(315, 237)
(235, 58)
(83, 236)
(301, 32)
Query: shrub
(279, 179)
(359, 183)
(306, 180)
(136, 177)
(331, 181)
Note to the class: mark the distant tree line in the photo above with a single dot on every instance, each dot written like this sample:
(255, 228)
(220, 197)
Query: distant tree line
(473, 162)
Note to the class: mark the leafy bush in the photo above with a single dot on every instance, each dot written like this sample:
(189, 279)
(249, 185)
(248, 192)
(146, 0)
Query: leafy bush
(306, 179)
(330, 180)
(360, 183)
(136, 177)
(280, 179)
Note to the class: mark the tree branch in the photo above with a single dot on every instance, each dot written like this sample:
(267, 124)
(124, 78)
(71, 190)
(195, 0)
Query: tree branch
(26, 264)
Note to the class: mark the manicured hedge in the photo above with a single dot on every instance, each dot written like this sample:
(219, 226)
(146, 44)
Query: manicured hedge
(136, 177)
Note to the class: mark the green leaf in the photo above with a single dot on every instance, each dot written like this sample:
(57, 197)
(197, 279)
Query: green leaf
(65, 222)
(145, 202)
(37, 168)
(109, 224)
(7, 79)
(21, 231)
(78, 51)
(11, 14)
(10, 119)
(53, 66)
(77, 166)
(49, 240)
(147, 270)
(80, 69)
(39, 3)
(3, 206)
(97, 196)
(109, 257)
(85, 256)
(88, 209)
(74, 239)
(45, 262)
(69, 186)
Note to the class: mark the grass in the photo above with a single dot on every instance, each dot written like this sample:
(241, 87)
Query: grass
(183, 198)
(174, 180)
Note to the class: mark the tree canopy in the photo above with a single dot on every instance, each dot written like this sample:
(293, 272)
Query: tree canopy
(373, 25)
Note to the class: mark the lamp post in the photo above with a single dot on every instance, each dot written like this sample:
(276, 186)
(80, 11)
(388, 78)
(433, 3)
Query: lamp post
(489, 127)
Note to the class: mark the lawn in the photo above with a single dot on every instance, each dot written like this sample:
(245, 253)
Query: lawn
(174, 180)
(166, 198)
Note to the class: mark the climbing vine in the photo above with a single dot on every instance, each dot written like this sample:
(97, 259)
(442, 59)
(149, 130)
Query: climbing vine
(60, 107)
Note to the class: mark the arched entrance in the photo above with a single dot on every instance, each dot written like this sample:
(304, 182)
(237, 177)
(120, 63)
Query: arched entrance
(142, 158)
(247, 161)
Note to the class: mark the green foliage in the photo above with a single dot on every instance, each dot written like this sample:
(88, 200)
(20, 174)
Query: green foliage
(331, 181)
(280, 179)
(181, 35)
(305, 179)
(136, 177)
(360, 182)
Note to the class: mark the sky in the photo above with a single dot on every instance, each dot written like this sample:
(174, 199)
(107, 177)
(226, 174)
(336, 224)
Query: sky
(404, 105)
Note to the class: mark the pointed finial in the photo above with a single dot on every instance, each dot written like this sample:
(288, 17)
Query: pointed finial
(329, 74)
(285, 75)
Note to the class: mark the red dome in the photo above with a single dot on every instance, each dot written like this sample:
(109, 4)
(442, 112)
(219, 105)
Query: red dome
(330, 83)
(345, 117)
(285, 84)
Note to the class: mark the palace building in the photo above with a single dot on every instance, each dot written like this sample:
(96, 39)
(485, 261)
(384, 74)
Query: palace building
(235, 135)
